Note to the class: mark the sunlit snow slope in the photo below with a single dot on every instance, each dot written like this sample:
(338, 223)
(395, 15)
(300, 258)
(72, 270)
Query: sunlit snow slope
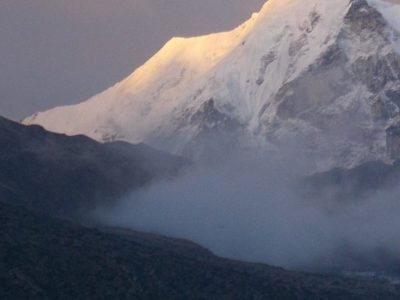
(323, 75)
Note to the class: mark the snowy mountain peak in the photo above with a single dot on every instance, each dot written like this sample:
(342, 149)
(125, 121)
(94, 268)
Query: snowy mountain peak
(323, 73)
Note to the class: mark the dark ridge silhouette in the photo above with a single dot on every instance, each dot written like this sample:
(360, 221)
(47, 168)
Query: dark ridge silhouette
(46, 258)
(68, 176)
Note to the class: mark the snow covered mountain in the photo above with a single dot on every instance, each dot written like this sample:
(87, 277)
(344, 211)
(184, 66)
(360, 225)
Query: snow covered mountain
(323, 75)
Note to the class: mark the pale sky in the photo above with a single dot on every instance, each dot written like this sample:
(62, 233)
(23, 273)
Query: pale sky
(56, 52)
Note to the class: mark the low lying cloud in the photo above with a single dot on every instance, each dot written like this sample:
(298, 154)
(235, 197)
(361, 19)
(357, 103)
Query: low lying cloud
(255, 209)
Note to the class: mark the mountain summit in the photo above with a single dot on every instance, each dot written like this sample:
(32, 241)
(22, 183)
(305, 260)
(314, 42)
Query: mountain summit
(321, 74)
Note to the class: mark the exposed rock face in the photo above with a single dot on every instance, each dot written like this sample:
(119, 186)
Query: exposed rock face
(393, 142)
(349, 186)
(210, 125)
(323, 73)
(348, 97)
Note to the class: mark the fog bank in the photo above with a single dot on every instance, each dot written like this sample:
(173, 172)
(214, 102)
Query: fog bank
(255, 209)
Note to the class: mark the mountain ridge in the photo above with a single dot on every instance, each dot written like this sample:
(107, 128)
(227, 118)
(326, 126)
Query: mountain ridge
(48, 258)
(69, 176)
(321, 77)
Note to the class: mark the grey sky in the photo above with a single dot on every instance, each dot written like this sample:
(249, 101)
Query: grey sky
(55, 52)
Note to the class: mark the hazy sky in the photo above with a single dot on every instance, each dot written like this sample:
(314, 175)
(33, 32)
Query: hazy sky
(55, 52)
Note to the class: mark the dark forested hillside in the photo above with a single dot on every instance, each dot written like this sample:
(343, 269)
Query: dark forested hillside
(44, 176)
(67, 176)
(45, 258)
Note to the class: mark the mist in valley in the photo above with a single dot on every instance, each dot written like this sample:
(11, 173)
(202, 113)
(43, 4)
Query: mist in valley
(256, 207)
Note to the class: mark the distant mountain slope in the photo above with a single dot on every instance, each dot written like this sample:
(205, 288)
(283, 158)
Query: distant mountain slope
(67, 176)
(321, 75)
(352, 185)
(44, 258)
